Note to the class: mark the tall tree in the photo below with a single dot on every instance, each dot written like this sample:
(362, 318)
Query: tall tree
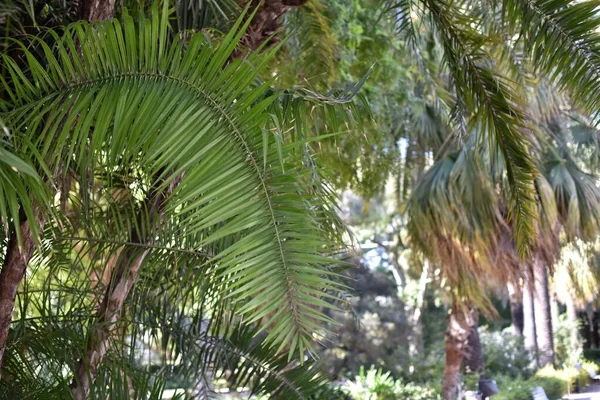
(542, 313)
(529, 326)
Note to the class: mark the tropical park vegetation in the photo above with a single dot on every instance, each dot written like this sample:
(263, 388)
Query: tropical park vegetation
(298, 199)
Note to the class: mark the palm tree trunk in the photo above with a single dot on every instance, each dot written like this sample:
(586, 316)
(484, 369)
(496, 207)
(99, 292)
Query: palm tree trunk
(474, 361)
(573, 320)
(542, 309)
(515, 298)
(460, 322)
(123, 278)
(589, 311)
(13, 270)
(97, 10)
(529, 329)
(266, 22)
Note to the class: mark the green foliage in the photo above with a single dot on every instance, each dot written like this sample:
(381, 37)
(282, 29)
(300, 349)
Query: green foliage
(109, 102)
(565, 351)
(554, 381)
(164, 147)
(504, 353)
(374, 384)
(517, 388)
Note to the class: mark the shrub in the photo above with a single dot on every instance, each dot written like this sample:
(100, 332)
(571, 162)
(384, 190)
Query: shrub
(376, 385)
(554, 382)
(504, 353)
(592, 354)
(584, 376)
(566, 350)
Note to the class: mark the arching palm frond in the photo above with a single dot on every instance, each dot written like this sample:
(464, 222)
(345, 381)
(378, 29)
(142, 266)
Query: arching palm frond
(164, 138)
(562, 41)
(488, 100)
(21, 188)
(200, 14)
(312, 44)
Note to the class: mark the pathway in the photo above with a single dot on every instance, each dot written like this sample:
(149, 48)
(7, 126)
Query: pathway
(588, 393)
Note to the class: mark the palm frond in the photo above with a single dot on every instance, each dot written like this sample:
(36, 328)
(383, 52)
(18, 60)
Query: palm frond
(173, 116)
(21, 188)
(462, 239)
(562, 40)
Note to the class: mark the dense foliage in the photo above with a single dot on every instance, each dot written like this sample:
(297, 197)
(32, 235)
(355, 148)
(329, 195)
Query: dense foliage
(206, 197)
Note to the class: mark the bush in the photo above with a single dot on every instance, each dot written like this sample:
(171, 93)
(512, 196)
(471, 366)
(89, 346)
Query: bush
(520, 389)
(376, 385)
(584, 376)
(592, 354)
(504, 353)
(566, 350)
(554, 382)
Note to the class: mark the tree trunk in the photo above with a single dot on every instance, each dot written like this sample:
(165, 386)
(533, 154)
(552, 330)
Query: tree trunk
(460, 322)
(97, 10)
(589, 312)
(515, 297)
(106, 319)
(543, 317)
(265, 23)
(573, 320)
(529, 329)
(123, 278)
(474, 361)
(416, 336)
(554, 311)
(15, 264)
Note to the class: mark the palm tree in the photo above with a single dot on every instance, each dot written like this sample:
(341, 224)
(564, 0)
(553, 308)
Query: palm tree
(461, 241)
(182, 184)
(529, 327)
(542, 313)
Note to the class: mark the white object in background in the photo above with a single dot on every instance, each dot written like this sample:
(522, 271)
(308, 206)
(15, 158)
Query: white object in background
(539, 394)
(593, 374)
(472, 395)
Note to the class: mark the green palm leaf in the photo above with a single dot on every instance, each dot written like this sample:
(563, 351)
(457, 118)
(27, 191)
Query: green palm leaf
(188, 125)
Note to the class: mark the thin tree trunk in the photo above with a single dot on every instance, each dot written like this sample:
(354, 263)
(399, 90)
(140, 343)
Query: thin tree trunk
(554, 311)
(543, 317)
(123, 278)
(265, 23)
(573, 320)
(515, 298)
(97, 10)
(529, 328)
(474, 360)
(589, 312)
(459, 326)
(416, 337)
(13, 270)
